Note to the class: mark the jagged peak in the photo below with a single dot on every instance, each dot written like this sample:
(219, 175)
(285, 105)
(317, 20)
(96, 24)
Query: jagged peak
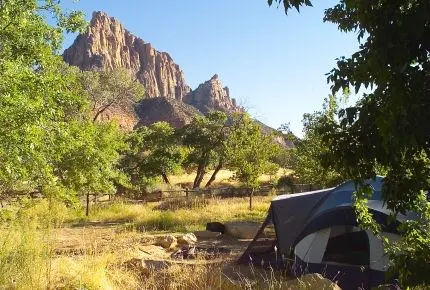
(101, 15)
(214, 77)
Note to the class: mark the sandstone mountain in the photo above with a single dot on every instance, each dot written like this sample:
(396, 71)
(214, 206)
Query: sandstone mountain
(211, 95)
(108, 45)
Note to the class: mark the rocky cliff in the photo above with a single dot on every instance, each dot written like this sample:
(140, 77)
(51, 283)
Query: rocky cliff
(108, 45)
(212, 96)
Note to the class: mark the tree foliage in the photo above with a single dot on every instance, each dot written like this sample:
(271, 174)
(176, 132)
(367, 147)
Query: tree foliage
(310, 166)
(250, 151)
(107, 89)
(46, 143)
(154, 151)
(205, 137)
(388, 127)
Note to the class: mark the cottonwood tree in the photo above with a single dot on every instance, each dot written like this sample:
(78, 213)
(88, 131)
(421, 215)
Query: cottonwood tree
(34, 94)
(205, 137)
(46, 143)
(107, 89)
(251, 153)
(388, 126)
(310, 166)
(154, 151)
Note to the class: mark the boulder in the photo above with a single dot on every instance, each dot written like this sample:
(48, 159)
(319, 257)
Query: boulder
(242, 229)
(188, 239)
(207, 235)
(167, 242)
(136, 265)
(215, 227)
(313, 281)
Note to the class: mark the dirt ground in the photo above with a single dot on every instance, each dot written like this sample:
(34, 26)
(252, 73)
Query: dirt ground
(101, 236)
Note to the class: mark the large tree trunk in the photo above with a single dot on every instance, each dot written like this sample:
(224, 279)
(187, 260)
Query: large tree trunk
(199, 175)
(165, 178)
(200, 179)
(212, 179)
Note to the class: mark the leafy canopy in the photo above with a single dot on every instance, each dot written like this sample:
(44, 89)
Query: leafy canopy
(388, 127)
(107, 89)
(154, 151)
(46, 143)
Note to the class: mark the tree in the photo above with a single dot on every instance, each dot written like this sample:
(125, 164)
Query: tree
(35, 95)
(107, 89)
(87, 161)
(250, 152)
(311, 149)
(153, 151)
(388, 127)
(205, 137)
(46, 143)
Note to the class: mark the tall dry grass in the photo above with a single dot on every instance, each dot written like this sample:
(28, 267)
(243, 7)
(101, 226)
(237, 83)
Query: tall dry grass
(183, 215)
(27, 246)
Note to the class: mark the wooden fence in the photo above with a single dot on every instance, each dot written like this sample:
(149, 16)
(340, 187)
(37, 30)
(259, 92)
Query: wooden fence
(225, 192)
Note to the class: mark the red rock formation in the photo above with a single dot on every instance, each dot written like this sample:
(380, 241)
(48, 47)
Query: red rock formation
(212, 96)
(108, 45)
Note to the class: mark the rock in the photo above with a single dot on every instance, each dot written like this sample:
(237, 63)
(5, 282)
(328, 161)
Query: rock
(212, 96)
(188, 239)
(215, 227)
(151, 252)
(313, 281)
(207, 234)
(108, 45)
(137, 265)
(167, 242)
(242, 230)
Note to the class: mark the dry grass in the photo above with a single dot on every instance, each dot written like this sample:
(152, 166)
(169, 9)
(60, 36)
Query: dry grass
(224, 178)
(186, 216)
(28, 243)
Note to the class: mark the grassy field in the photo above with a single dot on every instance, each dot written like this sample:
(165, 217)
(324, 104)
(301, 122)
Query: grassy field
(224, 178)
(32, 234)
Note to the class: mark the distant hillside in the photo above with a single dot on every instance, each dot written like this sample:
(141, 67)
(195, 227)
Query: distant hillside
(175, 112)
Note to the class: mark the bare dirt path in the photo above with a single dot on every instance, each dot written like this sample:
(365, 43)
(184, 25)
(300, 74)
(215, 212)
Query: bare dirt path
(98, 237)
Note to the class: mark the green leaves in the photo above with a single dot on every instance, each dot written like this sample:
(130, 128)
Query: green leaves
(288, 4)
(47, 144)
(107, 89)
(387, 129)
(250, 151)
(153, 151)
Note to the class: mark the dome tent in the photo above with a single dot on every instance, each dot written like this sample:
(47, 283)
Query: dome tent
(317, 232)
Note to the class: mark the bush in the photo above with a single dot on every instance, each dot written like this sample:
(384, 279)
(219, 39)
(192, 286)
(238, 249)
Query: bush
(286, 181)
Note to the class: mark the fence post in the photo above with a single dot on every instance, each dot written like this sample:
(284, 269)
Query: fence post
(186, 192)
(251, 192)
(87, 210)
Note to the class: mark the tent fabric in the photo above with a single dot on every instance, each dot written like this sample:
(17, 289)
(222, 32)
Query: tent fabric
(311, 249)
(311, 227)
(290, 212)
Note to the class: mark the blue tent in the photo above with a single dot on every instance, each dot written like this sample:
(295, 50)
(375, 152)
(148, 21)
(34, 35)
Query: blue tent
(317, 232)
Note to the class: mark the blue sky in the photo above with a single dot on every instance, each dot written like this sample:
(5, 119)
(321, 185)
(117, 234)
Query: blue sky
(274, 64)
